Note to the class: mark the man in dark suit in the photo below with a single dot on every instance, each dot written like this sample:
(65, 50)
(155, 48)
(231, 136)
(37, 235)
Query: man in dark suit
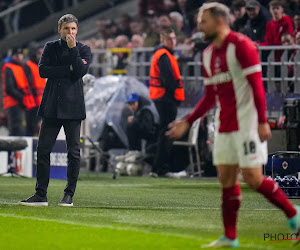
(64, 62)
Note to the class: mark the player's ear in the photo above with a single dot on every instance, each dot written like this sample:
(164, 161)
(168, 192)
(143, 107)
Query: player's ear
(219, 20)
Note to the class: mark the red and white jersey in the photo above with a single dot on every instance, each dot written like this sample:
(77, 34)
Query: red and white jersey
(233, 81)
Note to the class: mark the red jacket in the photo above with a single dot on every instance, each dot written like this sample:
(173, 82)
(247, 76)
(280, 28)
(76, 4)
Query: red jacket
(274, 31)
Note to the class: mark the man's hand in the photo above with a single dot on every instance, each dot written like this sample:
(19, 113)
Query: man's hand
(264, 131)
(84, 61)
(71, 41)
(177, 129)
(130, 119)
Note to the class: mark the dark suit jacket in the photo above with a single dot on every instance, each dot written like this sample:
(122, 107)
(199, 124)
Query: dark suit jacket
(63, 94)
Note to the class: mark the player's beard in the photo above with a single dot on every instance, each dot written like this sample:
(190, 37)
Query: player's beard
(209, 37)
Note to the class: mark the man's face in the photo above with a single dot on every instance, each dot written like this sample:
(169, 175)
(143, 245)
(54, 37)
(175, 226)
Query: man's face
(164, 22)
(137, 41)
(253, 12)
(135, 28)
(276, 12)
(239, 13)
(18, 57)
(297, 21)
(208, 25)
(169, 40)
(133, 106)
(287, 39)
(68, 29)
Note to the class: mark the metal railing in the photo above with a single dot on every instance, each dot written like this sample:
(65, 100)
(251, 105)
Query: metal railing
(276, 74)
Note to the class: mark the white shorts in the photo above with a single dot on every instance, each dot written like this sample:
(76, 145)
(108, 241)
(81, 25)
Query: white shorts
(242, 148)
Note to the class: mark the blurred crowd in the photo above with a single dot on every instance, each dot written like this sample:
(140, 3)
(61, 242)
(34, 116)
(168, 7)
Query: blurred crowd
(264, 23)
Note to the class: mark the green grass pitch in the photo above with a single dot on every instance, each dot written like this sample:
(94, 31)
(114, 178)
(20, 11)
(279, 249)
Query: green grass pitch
(132, 213)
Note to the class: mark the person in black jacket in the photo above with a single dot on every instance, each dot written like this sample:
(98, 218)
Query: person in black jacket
(142, 124)
(256, 24)
(64, 62)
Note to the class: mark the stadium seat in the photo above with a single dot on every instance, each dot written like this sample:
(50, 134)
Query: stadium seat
(192, 144)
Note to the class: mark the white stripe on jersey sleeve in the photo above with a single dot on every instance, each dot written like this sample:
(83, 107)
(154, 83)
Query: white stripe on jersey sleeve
(252, 69)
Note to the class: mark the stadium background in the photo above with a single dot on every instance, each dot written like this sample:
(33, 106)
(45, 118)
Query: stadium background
(133, 212)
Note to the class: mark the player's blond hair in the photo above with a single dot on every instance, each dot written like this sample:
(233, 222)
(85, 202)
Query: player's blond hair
(216, 10)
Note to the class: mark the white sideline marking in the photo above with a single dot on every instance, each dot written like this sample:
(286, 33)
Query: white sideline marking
(198, 238)
(154, 207)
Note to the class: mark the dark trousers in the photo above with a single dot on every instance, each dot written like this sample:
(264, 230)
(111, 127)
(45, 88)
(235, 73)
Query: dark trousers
(135, 138)
(167, 113)
(32, 121)
(48, 133)
(16, 120)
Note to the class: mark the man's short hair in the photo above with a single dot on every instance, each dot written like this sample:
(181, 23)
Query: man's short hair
(68, 18)
(216, 10)
(165, 32)
(238, 4)
(276, 3)
(16, 51)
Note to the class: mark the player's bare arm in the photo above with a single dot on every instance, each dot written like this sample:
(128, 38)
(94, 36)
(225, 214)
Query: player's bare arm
(264, 131)
(177, 129)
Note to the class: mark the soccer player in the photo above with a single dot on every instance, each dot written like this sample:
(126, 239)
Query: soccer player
(233, 81)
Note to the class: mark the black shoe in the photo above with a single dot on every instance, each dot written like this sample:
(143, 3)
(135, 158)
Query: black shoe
(66, 201)
(35, 201)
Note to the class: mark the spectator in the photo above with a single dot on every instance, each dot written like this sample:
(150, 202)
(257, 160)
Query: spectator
(177, 20)
(121, 41)
(151, 36)
(143, 122)
(258, 18)
(279, 25)
(136, 26)
(288, 40)
(111, 29)
(239, 10)
(123, 25)
(187, 9)
(297, 22)
(137, 41)
(164, 22)
(101, 24)
(110, 43)
(17, 96)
